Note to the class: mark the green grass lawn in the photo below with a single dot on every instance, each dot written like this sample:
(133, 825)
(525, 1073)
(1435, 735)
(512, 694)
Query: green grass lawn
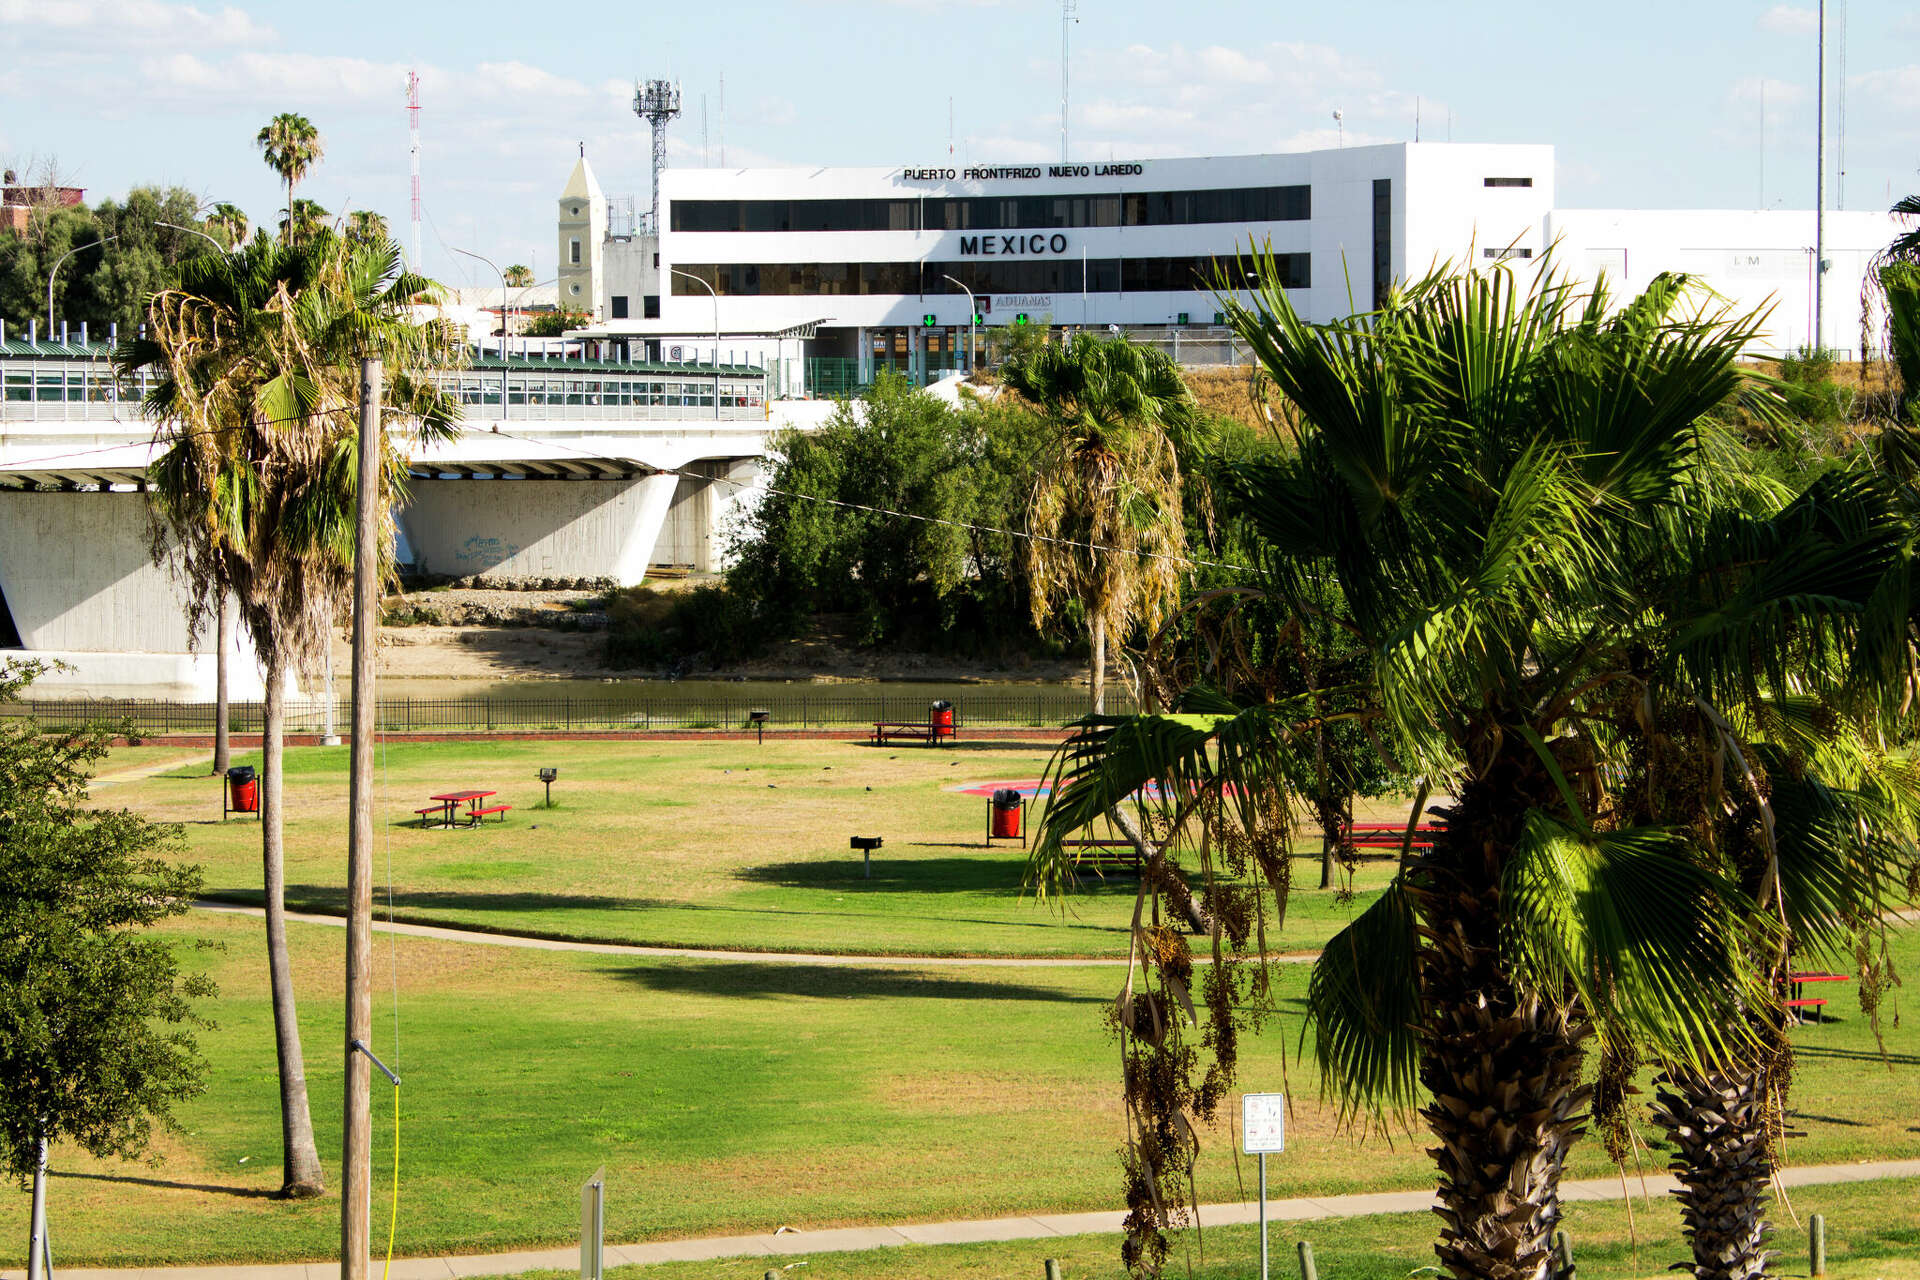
(730, 1097)
(1871, 1235)
(704, 844)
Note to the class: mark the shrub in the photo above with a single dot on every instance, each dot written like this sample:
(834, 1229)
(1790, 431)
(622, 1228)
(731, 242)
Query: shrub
(708, 625)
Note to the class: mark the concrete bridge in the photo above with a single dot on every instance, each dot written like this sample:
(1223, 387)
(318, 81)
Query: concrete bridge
(564, 469)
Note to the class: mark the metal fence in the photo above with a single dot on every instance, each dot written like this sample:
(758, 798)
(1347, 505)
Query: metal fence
(664, 709)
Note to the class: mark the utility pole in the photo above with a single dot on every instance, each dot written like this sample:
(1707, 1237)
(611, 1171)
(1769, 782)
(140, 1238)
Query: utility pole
(1820, 189)
(356, 1183)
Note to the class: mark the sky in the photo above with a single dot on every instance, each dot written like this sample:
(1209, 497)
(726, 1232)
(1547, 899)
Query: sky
(1649, 105)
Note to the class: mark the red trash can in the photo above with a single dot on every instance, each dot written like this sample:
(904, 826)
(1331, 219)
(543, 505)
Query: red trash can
(1006, 814)
(243, 789)
(940, 714)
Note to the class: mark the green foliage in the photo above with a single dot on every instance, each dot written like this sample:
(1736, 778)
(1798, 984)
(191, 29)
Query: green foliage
(102, 286)
(95, 1046)
(551, 324)
(1812, 395)
(709, 625)
(1900, 282)
(813, 545)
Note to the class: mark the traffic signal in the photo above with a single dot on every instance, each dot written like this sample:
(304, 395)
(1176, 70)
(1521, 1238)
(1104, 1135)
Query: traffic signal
(927, 320)
(1021, 318)
(1182, 319)
(978, 318)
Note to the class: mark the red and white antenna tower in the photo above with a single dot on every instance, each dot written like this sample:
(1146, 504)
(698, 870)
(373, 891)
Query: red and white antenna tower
(413, 143)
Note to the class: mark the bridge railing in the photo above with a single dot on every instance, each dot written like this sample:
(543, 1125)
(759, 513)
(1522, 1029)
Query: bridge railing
(667, 708)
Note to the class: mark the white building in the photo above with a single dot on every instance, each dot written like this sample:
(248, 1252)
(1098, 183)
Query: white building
(863, 268)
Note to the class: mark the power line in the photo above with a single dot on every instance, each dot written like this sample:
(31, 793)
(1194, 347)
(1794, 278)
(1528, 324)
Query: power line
(885, 511)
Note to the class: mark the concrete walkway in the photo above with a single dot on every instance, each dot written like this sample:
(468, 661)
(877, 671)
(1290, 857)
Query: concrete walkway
(846, 1239)
(798, 958)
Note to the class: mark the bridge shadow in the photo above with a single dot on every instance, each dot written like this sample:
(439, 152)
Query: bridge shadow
(1855, 1055)
(333, 898)
(752, 980)
(244, 1193)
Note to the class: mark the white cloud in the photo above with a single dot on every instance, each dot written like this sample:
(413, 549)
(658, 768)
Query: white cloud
(129, 22)
(1790, 20)
(1175, 100)
(1892, 91)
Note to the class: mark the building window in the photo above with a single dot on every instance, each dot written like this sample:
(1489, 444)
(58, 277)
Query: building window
(650, 307)
(1196, 274)
(576, 211)
(573, 251)
(618, 304)
(999, 213)
(1509, 252)
(1382, 240)
(1508, 182)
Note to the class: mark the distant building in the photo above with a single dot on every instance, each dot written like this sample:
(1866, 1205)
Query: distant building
(18, 200)
(827, 275)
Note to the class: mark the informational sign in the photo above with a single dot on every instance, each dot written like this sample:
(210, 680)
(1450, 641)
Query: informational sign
(1263, 1123)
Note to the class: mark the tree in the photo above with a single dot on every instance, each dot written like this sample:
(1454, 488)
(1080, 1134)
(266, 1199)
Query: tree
(308, 220)
(519, 275)
(553, 324)
(1104, 521)
(1814, 820)
(96, 1044)
(291, 146)
(101, 286)
(254, 487)
(949, 580)
(228, 222)
(1487, 472)
(365, 227)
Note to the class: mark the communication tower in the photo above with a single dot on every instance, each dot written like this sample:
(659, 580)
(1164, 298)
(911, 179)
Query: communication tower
(656, 102)
(413, 147)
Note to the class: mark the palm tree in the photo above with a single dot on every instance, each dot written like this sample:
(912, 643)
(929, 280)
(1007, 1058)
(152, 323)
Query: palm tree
(519, 275)
(291, 146)
(1485, 471)
(254, 484)
(308, 219)
(229, 223)
(1104, 525)
(1812, 820)
(365, 227)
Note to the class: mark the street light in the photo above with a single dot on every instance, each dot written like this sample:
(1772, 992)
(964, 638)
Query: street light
(506, 323)
(56, 271)
(192, 232)
(973, 314)
(716, 333)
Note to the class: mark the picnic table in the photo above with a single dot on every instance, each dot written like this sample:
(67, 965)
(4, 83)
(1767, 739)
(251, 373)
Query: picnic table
(447, 802)
(1801, 1000)
(931, 732)
(1389, 835)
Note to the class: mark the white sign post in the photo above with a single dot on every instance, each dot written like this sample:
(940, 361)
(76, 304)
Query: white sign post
(593, 1226)
(1263, 1131)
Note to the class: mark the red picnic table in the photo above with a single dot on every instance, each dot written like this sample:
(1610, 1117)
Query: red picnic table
(447, 801)
(1816, 1003)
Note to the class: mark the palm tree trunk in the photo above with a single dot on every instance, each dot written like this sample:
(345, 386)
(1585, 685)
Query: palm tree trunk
(1098, 676)
(1716, 1122)
(301, 1158)
(223, 637)
(1503, 1070)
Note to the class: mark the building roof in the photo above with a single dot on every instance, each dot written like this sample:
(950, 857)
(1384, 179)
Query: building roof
(104, 351)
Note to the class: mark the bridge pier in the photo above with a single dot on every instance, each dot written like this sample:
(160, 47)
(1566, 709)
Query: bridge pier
(82, 589)
(538, 528)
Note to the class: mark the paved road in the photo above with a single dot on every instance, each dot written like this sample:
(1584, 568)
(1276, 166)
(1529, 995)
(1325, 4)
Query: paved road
(1036, 1227)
